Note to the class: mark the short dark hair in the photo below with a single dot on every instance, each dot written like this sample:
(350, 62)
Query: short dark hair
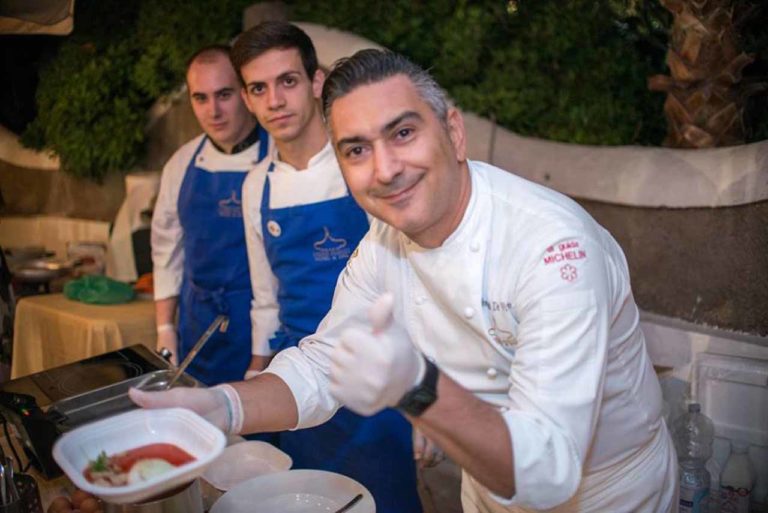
(208, 53)
(269, 35)
(370, 66)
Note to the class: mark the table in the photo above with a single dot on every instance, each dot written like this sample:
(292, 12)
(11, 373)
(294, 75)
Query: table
(51, 330)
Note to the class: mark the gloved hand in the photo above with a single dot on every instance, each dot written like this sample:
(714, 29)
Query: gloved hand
(167, 338)
(219, 405)
(425, 451)
(373, 369)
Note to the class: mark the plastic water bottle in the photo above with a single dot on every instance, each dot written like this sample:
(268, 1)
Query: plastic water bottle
(737, 480)
(693, 434)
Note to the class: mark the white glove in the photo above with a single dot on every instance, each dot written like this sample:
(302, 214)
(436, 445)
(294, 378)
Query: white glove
(167, 338)
(219, 405)
(425, 451)
(373, 369)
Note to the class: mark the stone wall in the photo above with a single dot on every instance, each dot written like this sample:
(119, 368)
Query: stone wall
(704, 265)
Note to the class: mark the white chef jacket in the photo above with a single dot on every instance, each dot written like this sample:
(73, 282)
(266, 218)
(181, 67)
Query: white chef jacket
(167, 233)
(528, 305)
(289, 187)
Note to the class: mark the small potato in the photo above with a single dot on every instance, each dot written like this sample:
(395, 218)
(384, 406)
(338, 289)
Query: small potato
(60, 505)
(78, 496)
(90, 505)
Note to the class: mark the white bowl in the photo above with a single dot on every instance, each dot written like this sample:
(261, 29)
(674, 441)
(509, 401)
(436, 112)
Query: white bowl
(245, 460)
(295, 491)
(177, 426)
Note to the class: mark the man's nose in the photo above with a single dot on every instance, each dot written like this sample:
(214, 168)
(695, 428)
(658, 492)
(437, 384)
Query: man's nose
(387, 163)
(216, 108)
(275, 98)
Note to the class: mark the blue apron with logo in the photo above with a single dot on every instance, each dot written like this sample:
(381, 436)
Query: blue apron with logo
(308, 247)
(216, 279)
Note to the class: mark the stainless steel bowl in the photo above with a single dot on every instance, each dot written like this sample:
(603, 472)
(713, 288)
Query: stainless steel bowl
(43, 269)
(51, 264)
(34, 274)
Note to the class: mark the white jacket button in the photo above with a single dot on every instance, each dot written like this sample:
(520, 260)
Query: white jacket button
(469, 312)
(474, 246)
(420, 300)
(491, 373)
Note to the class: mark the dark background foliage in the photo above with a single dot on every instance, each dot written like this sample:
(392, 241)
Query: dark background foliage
(571, 71)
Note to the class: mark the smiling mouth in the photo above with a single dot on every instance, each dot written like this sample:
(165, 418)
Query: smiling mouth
(401, 194)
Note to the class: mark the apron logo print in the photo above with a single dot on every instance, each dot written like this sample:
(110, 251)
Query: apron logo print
(330, 247)
(231, 207)
(569, 272)
(273, 228)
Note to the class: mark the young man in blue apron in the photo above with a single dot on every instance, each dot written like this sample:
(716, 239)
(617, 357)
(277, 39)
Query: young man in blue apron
(302, 225)
(198, 243)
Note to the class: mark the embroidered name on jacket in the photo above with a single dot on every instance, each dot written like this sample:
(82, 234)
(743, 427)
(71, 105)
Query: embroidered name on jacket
(330, 248)
(503, 325)
(231, 207)
(568, 250)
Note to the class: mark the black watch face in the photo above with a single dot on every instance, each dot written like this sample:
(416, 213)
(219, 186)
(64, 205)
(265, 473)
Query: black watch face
(418, 401)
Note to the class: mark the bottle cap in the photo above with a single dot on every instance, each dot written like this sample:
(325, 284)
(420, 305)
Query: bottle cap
(694, 408)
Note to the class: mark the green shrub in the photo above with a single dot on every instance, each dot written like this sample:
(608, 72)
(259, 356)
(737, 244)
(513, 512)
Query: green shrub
(93, 97)
(567, 70)
(571, 71)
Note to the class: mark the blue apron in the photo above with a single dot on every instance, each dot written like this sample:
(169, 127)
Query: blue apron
(307, 247)
(216, 278)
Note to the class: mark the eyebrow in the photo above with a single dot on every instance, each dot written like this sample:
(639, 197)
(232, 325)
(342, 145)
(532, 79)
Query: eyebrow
(389, 126)
(199, 94)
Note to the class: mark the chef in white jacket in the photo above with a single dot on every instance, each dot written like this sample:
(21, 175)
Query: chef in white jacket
(495, 313)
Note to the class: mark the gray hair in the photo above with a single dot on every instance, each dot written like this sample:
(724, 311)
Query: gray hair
(371, 66)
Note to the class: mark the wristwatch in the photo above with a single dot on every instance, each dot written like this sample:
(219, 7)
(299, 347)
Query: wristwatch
(422, 396)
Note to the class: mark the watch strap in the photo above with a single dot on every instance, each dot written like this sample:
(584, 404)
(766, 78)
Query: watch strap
(422, 396)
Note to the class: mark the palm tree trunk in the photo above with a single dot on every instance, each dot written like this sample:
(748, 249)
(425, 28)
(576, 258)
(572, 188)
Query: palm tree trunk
(705, 100)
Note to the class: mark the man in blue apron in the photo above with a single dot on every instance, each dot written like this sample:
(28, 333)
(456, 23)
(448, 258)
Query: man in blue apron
(198, 243)
(302, 225)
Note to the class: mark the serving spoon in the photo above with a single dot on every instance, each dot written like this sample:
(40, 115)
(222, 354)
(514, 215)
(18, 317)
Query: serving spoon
(151, 385)
(221, 320)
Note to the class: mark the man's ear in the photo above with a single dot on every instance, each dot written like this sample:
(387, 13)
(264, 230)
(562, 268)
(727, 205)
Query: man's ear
(317, 83)
(457, 133)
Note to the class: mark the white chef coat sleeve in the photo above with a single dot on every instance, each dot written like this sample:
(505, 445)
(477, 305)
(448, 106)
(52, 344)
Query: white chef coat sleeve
(305, 369)
(167, 234)
(563, 302)
(264, 307)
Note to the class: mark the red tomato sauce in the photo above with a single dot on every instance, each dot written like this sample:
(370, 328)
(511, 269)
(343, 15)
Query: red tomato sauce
(123, 461)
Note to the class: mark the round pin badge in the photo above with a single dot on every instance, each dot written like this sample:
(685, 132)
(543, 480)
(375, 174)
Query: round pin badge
(274, 228)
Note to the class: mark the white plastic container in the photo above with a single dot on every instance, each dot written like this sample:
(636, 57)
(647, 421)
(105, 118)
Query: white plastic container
(737, 480)
(243, 461)
(176, 426)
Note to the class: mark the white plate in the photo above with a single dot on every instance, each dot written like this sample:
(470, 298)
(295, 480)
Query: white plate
(177, 426)
(295, 491)
(245, 460)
